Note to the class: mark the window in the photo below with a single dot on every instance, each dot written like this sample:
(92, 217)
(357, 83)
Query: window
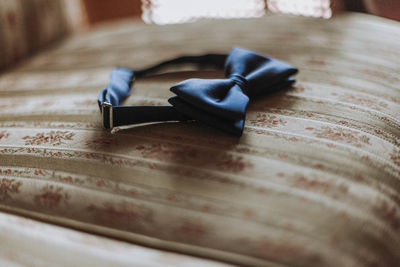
(180, 11)
(314, 8)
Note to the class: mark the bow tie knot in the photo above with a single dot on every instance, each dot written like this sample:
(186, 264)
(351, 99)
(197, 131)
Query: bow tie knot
(240, 81)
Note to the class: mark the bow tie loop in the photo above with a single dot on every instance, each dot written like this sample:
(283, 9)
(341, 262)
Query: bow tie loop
(240, 81)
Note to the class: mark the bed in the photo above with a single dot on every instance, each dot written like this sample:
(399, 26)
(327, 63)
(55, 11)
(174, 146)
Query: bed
(313, 181)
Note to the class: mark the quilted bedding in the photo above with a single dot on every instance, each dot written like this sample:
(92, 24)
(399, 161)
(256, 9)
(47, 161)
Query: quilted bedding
(313, 181)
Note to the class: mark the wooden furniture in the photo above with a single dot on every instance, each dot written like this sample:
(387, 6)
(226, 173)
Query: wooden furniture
(105, 10)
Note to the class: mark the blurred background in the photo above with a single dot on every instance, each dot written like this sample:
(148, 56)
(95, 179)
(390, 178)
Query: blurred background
(29, 25)
(180, 11)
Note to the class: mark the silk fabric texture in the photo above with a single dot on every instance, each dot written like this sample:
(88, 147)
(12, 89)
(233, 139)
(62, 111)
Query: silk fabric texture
(221, 103)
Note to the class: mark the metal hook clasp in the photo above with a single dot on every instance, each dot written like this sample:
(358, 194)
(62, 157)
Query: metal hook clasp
(107, 111)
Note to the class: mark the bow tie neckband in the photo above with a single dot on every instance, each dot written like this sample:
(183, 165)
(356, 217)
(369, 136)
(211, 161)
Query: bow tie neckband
(220, 103)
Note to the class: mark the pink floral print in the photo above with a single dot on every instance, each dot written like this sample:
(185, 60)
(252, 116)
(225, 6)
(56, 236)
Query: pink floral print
(4, 134)
(267, 120)
(342, 135)
(51, 196)
(8, 187)
(54, 138)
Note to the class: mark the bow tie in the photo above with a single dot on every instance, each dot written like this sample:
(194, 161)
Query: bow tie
(220, 103)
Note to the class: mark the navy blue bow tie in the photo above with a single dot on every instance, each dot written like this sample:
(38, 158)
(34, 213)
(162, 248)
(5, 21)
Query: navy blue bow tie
(220, 103)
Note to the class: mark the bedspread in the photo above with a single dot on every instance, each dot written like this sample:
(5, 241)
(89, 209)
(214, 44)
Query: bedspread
(313, 181)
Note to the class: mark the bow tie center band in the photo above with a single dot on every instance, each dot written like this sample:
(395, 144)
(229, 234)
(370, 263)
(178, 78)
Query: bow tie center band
(220, 103)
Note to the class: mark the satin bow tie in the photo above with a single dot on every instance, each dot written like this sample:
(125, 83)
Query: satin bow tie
(220, 103)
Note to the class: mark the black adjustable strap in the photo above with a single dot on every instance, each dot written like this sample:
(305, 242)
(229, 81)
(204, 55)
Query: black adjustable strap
(121, 82)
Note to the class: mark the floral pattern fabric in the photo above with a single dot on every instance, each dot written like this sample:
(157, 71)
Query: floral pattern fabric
(313, 181)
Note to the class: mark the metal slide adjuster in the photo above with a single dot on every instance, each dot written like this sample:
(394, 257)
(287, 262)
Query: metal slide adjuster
(107, 111)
